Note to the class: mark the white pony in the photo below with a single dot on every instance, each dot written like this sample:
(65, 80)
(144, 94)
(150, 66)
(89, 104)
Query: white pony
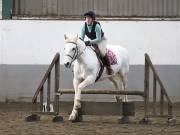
(87, 66)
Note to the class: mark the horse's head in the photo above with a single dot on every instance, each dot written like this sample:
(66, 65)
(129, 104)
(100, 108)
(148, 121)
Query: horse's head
(70, 50)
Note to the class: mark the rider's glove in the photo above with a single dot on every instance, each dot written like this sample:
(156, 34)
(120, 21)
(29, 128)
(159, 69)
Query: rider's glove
(88, 43)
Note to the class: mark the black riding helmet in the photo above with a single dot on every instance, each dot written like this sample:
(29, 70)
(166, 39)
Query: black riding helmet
(90, 14)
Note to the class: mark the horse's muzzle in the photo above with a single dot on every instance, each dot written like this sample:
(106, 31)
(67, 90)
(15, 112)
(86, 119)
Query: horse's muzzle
(67, 65)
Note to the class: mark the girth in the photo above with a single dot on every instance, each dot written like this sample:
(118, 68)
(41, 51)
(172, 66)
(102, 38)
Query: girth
(99, 57)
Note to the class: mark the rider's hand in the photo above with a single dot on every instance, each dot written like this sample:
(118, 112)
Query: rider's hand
(88, 43)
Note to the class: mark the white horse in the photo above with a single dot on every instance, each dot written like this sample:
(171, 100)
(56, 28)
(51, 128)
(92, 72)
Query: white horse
(87, 66)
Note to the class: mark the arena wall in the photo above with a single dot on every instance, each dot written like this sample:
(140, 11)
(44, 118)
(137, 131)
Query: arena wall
(28, 46)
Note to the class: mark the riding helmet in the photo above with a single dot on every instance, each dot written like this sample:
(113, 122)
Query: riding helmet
(90, 14)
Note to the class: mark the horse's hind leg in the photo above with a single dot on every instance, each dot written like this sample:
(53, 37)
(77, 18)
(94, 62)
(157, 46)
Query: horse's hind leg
(116, 83)
(124, 86)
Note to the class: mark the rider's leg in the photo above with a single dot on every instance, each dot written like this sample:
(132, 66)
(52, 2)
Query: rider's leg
(102, 48)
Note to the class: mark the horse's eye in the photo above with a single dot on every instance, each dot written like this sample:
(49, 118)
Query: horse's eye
(73, 49)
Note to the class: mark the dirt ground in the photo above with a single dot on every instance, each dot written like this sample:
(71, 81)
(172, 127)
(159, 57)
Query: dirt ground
(12, 122)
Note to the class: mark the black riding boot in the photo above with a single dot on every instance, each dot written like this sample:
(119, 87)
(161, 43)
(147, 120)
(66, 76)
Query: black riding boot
(106, 63)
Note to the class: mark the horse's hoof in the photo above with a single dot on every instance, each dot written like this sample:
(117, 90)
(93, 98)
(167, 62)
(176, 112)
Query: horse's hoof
(72, 117)
(76, 115)
(76, 118)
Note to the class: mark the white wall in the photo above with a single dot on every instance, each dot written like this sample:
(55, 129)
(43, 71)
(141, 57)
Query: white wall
(0, 9)
(36, 42)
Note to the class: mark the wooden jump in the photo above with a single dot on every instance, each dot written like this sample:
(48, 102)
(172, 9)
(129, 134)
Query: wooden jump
(95, 106)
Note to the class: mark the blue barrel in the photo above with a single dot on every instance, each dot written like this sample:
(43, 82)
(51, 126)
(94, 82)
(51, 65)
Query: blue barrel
(7, 9)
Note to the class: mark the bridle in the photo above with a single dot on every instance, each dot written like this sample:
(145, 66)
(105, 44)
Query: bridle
(76, 54)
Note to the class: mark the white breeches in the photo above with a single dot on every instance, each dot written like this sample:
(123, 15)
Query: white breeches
(102, 46)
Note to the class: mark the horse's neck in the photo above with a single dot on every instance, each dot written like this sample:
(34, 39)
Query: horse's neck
(87, 55)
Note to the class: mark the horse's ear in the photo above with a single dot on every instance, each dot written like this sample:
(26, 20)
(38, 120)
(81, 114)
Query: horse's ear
(76, 38)
(65, 37)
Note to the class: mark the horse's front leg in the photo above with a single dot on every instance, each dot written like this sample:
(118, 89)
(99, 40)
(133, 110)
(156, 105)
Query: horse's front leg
(73, 115)
(77, 101)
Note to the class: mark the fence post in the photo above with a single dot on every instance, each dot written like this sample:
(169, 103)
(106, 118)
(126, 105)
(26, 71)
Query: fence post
(161, 102)
(48, 92)
(146, 90)
(170, 111)
(57, 77)
(154, 94)
(41, 98)
(57, 118)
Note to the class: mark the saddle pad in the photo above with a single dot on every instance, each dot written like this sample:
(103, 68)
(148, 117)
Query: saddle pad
(111, 57)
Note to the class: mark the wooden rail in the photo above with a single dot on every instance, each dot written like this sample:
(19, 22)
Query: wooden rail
(101, 91)
(47, 76)
(163, 93)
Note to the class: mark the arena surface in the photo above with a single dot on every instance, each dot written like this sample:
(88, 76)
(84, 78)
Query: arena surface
(12, 122)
